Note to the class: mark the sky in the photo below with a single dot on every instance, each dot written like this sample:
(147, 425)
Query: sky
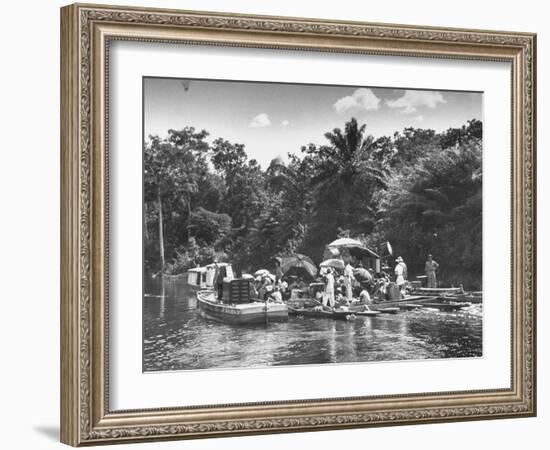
(273, 119)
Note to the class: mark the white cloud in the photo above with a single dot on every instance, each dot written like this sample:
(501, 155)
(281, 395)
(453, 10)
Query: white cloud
(410, 101)
(261, 120)
(362, 99)
(419, 118)
(285, 123)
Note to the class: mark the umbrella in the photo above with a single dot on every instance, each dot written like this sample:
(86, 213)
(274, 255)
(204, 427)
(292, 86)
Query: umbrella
(269, 275)
(355, 247)
(345, 242)
(261, 272)
(362, 274)
(297, 262)
(334, 263)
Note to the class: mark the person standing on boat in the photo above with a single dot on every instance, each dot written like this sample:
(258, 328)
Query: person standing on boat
(218, 281)
(348, 279)
(400, 272)
(430, 269)
(328, 298)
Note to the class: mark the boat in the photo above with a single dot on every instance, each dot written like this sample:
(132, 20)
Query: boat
(403, 303)
(245, 313)
(438, 292)
(471, 297)
(323, 313)
(447, 306)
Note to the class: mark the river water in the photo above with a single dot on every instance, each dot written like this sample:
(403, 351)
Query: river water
(176, 337)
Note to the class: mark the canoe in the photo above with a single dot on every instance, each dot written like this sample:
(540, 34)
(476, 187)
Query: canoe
(240, 313)
(323, 314)
(410, 306)
(394, 310)
(472, 297)
(298, 303)
(410, 299)
(438, 292)
(447, 306)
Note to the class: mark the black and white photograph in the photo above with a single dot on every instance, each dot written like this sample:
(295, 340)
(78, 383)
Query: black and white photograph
(298, 224)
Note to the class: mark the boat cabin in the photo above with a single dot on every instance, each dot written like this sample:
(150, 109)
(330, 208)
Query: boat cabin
(197, 277)
(203, 277)
(226, 269)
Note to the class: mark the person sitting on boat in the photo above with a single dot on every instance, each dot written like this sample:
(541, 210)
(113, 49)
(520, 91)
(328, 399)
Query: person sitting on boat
(328, 298)
(319, 296)
(400, 273)
(253, 291)
(430, 268)
(381, 289)
(364, 297)
(269, 288)
(276, 296)
(341, 300)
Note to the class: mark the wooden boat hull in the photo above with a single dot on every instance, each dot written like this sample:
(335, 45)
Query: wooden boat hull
(403, 303)
(447, 306)
(471, 297)
(438, 292)
(240, 314)
(334, 315)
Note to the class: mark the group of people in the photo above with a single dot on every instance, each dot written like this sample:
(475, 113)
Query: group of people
(267, 289)
(338, 289)
(342, 287)
(373, 286)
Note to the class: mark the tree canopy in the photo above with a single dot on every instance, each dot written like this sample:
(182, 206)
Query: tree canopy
(418, 189)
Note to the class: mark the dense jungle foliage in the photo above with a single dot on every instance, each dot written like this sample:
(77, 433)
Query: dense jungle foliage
(418, 189)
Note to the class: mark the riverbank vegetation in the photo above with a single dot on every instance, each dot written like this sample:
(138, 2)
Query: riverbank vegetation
(420, 190)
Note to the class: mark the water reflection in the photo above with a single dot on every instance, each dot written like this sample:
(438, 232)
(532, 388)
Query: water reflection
(176, 337)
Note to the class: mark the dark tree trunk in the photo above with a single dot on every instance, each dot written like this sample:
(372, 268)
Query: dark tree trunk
(161, 233)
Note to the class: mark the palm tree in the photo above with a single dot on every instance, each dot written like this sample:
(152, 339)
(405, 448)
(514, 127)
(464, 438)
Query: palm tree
(348, 174)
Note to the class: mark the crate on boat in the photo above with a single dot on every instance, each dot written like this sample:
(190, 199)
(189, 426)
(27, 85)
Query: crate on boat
(236, 291)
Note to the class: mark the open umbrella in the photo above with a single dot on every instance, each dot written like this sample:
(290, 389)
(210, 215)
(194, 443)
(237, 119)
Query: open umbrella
(297, 263)
(345, 242)
(261, 272)
(270, 276)
(354, 247)
(362, 274)
(334, 263)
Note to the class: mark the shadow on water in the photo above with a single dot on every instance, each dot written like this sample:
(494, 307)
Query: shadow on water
(176, 337)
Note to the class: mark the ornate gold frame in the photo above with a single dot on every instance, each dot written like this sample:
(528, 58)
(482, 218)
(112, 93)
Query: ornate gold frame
(86, 31)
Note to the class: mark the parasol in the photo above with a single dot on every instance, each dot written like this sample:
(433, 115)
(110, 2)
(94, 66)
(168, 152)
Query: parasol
(334, 263)
(362, 274)
(297, 263)
(261, 272)
(354, 247)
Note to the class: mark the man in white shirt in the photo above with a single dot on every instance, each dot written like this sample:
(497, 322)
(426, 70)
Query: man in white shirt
(400, 272)
(328, 298)
(348, 277)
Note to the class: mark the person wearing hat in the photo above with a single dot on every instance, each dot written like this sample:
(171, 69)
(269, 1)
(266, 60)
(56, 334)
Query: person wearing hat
(430, 269)
(400, 272)
(328, 298)
(348, 279)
